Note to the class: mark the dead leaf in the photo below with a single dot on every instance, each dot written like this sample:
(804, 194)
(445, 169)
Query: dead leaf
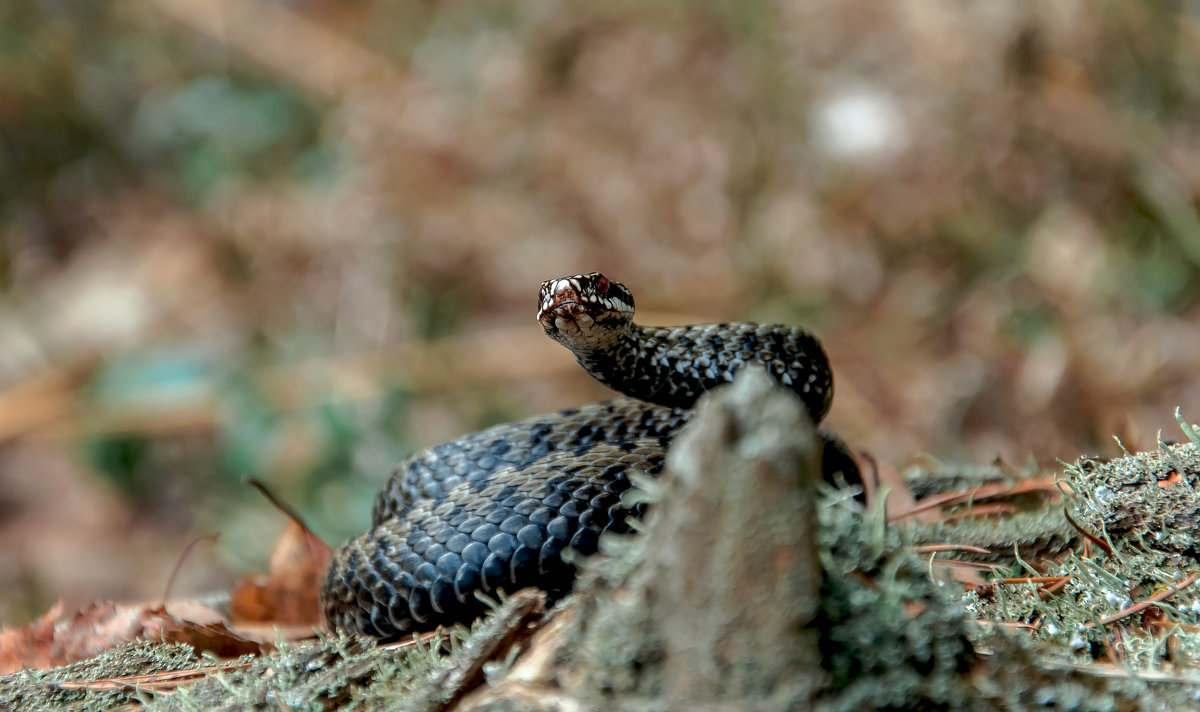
(55, 639)
(31, 646)
(214, 638)
(288, 595)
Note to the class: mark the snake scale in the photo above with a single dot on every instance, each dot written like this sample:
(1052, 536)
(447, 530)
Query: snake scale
(496, 510)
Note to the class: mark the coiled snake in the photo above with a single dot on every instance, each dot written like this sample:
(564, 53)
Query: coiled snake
(495, 510)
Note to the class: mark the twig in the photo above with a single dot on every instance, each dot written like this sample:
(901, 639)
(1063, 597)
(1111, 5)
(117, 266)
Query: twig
(1032, 579)
(941, 548)
(1109, 670)
(1143, 605)
(1033, 484)
(984, 623)
(1088, 535)
(415, 640)
(209, 539)
(1055, 587)
(158, 681)
(282, 506)
(976, 565)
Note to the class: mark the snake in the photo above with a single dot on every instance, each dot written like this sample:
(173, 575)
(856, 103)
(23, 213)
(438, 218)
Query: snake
(515, 505)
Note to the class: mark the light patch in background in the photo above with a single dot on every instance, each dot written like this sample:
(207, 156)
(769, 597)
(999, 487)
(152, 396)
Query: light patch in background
(858, 123)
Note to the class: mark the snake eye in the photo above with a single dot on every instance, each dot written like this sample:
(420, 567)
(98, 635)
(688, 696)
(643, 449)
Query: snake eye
(602, 285)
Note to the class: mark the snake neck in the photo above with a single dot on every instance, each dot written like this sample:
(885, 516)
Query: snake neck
(653, 364)
(673, 366)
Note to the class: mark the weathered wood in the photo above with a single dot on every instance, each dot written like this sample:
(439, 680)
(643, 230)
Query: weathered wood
(732, 571)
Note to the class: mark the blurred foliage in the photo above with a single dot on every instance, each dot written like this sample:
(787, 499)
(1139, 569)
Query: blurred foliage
(297, 240)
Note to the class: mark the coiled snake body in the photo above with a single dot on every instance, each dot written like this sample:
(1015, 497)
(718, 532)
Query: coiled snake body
(495, 510)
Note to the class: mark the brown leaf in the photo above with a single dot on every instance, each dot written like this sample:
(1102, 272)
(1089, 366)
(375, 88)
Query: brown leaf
(288, 595)
(214, 638)
(55, 639)
(31, 646)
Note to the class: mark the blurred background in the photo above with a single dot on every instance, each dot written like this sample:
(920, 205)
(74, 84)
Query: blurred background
(299, 240)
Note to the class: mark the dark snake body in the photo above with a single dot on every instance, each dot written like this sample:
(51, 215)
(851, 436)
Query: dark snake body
(496, 510)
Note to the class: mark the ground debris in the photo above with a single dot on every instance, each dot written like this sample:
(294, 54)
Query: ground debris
(755, 586)
(1127, 598)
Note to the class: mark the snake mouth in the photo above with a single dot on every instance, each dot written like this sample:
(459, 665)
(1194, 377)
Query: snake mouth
(568, 316)
(555, 306)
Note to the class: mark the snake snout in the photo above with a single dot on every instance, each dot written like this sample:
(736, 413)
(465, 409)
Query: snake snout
(562, 315)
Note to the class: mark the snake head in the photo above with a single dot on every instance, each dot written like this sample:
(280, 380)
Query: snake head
(584, 311)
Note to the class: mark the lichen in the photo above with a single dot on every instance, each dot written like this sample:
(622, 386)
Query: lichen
(1141, 507)
(36, 690)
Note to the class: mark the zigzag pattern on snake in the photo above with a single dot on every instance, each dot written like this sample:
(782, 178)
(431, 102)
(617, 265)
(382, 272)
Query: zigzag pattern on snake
(495, 510)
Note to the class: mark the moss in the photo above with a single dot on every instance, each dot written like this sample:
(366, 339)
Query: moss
(1142, 506)
(939, 477)
(890, 637)
(1037, 532)
(887, 636)
(338, 672)
(36, 690)
(1148, 499)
